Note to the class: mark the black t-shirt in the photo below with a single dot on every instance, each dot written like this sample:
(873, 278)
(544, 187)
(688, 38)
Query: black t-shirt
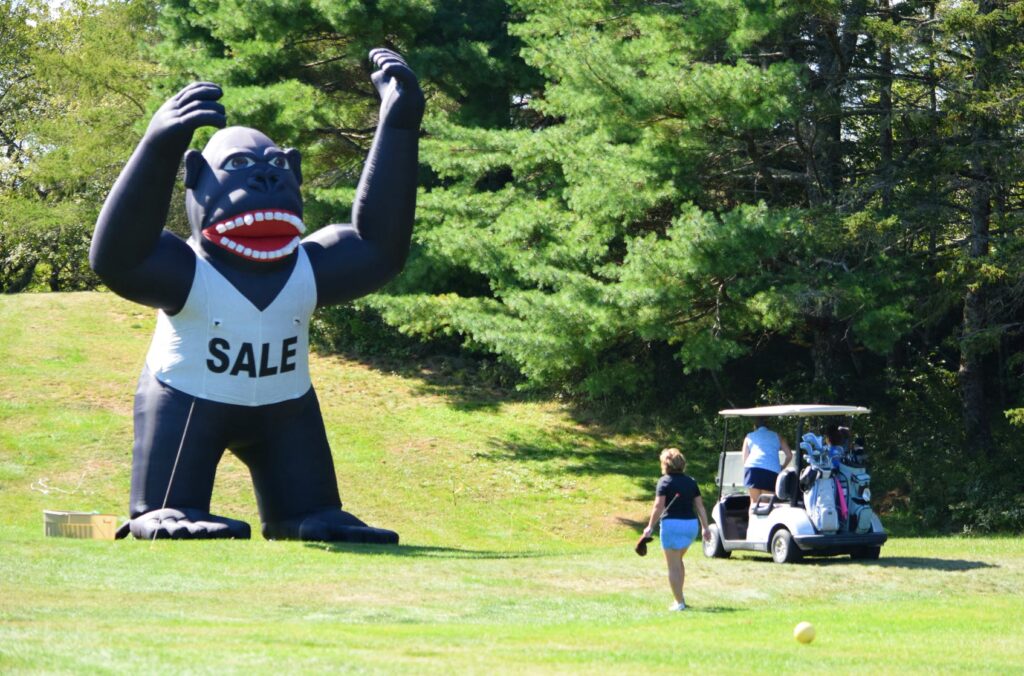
(686, 488)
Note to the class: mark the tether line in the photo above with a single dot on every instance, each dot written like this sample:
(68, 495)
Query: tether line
(177, 457)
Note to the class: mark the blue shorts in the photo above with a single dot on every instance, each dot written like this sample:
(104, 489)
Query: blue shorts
(760, 478)
(678, 533)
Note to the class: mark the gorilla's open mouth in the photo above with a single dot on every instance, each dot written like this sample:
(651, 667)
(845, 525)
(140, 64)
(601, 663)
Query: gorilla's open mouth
(262, 235)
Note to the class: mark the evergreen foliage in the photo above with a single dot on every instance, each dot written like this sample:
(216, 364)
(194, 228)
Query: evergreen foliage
(662, 188)
(74, 85)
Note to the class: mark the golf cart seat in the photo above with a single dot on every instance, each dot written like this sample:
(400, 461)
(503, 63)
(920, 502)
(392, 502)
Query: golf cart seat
(786, 485)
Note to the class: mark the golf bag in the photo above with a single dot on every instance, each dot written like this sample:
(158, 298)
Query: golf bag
(819, 486)
(856, 481)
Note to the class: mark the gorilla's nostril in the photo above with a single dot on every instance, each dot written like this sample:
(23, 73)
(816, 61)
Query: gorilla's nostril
(258, 182)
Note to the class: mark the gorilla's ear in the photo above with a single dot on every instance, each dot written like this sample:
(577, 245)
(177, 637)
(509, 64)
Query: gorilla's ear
(194, 165)
(295, 162)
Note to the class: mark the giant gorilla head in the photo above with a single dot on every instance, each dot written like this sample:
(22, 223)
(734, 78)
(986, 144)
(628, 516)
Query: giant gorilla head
(242, 197)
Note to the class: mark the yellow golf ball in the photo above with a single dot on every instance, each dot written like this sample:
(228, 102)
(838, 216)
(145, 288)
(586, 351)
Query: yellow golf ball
(804, 632)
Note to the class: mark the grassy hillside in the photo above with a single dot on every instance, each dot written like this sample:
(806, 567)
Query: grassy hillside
(517, 524)
(432, 459)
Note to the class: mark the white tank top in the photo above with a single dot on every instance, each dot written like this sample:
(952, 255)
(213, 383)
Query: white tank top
(220, 347)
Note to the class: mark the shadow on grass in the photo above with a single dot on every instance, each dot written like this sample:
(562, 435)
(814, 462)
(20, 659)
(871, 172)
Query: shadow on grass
(578, 452)
(635, 524)
(931, 563)
(466, 383)
(588, 450)
(711, 610)
(421, 551)
(911, 562)
(582, 447)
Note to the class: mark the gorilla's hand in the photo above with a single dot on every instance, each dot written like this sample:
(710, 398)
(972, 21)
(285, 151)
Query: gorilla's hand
(177, 119)
(187, 524)
(329, 525)
(401, 98)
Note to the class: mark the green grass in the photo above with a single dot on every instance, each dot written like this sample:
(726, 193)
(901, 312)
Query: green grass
(517, 523)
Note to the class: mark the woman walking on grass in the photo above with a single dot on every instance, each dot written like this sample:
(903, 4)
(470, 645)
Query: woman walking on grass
(679, 507)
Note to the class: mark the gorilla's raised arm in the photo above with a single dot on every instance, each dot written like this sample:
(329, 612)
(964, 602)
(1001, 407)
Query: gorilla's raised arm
(130, 251)
(350, 261)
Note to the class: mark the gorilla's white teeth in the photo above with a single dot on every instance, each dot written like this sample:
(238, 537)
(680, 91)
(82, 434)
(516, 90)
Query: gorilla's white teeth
(258, 217)
(248, 252)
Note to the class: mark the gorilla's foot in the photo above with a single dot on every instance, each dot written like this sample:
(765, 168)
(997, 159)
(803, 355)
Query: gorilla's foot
(187, 524)
(330, 525)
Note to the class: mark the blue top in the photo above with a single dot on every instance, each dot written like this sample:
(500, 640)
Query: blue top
(763, 451)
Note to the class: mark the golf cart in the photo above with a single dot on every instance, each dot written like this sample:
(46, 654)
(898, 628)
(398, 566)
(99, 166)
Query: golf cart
(821, 504)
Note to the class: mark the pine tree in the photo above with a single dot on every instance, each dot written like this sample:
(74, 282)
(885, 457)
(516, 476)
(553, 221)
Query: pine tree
(660, 190)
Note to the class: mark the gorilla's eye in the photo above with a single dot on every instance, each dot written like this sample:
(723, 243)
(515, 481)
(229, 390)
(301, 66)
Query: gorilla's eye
(239, 162)
(279, 161)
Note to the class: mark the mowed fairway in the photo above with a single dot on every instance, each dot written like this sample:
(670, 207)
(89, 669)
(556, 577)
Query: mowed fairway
(517, 526)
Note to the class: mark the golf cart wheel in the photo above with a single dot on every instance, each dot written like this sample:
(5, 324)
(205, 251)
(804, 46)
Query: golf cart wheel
(866, 553)
(784, 550)
(713, 546)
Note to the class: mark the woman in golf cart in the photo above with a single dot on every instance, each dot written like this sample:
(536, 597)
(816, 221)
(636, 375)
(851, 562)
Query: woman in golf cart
(761, 460)
(836, 439)
(679, 507)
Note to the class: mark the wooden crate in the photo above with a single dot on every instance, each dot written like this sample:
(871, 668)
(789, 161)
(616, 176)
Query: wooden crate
(79, 525)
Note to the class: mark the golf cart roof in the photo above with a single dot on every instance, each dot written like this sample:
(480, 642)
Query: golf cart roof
(793, 410)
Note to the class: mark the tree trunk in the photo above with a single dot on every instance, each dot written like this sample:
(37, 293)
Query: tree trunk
(885, 123)
(975, 319)
(20, 280)
(824, 355)
(977, 425)
(823, 134)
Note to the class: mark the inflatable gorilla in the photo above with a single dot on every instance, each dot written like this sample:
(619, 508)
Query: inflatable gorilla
(228, 365)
